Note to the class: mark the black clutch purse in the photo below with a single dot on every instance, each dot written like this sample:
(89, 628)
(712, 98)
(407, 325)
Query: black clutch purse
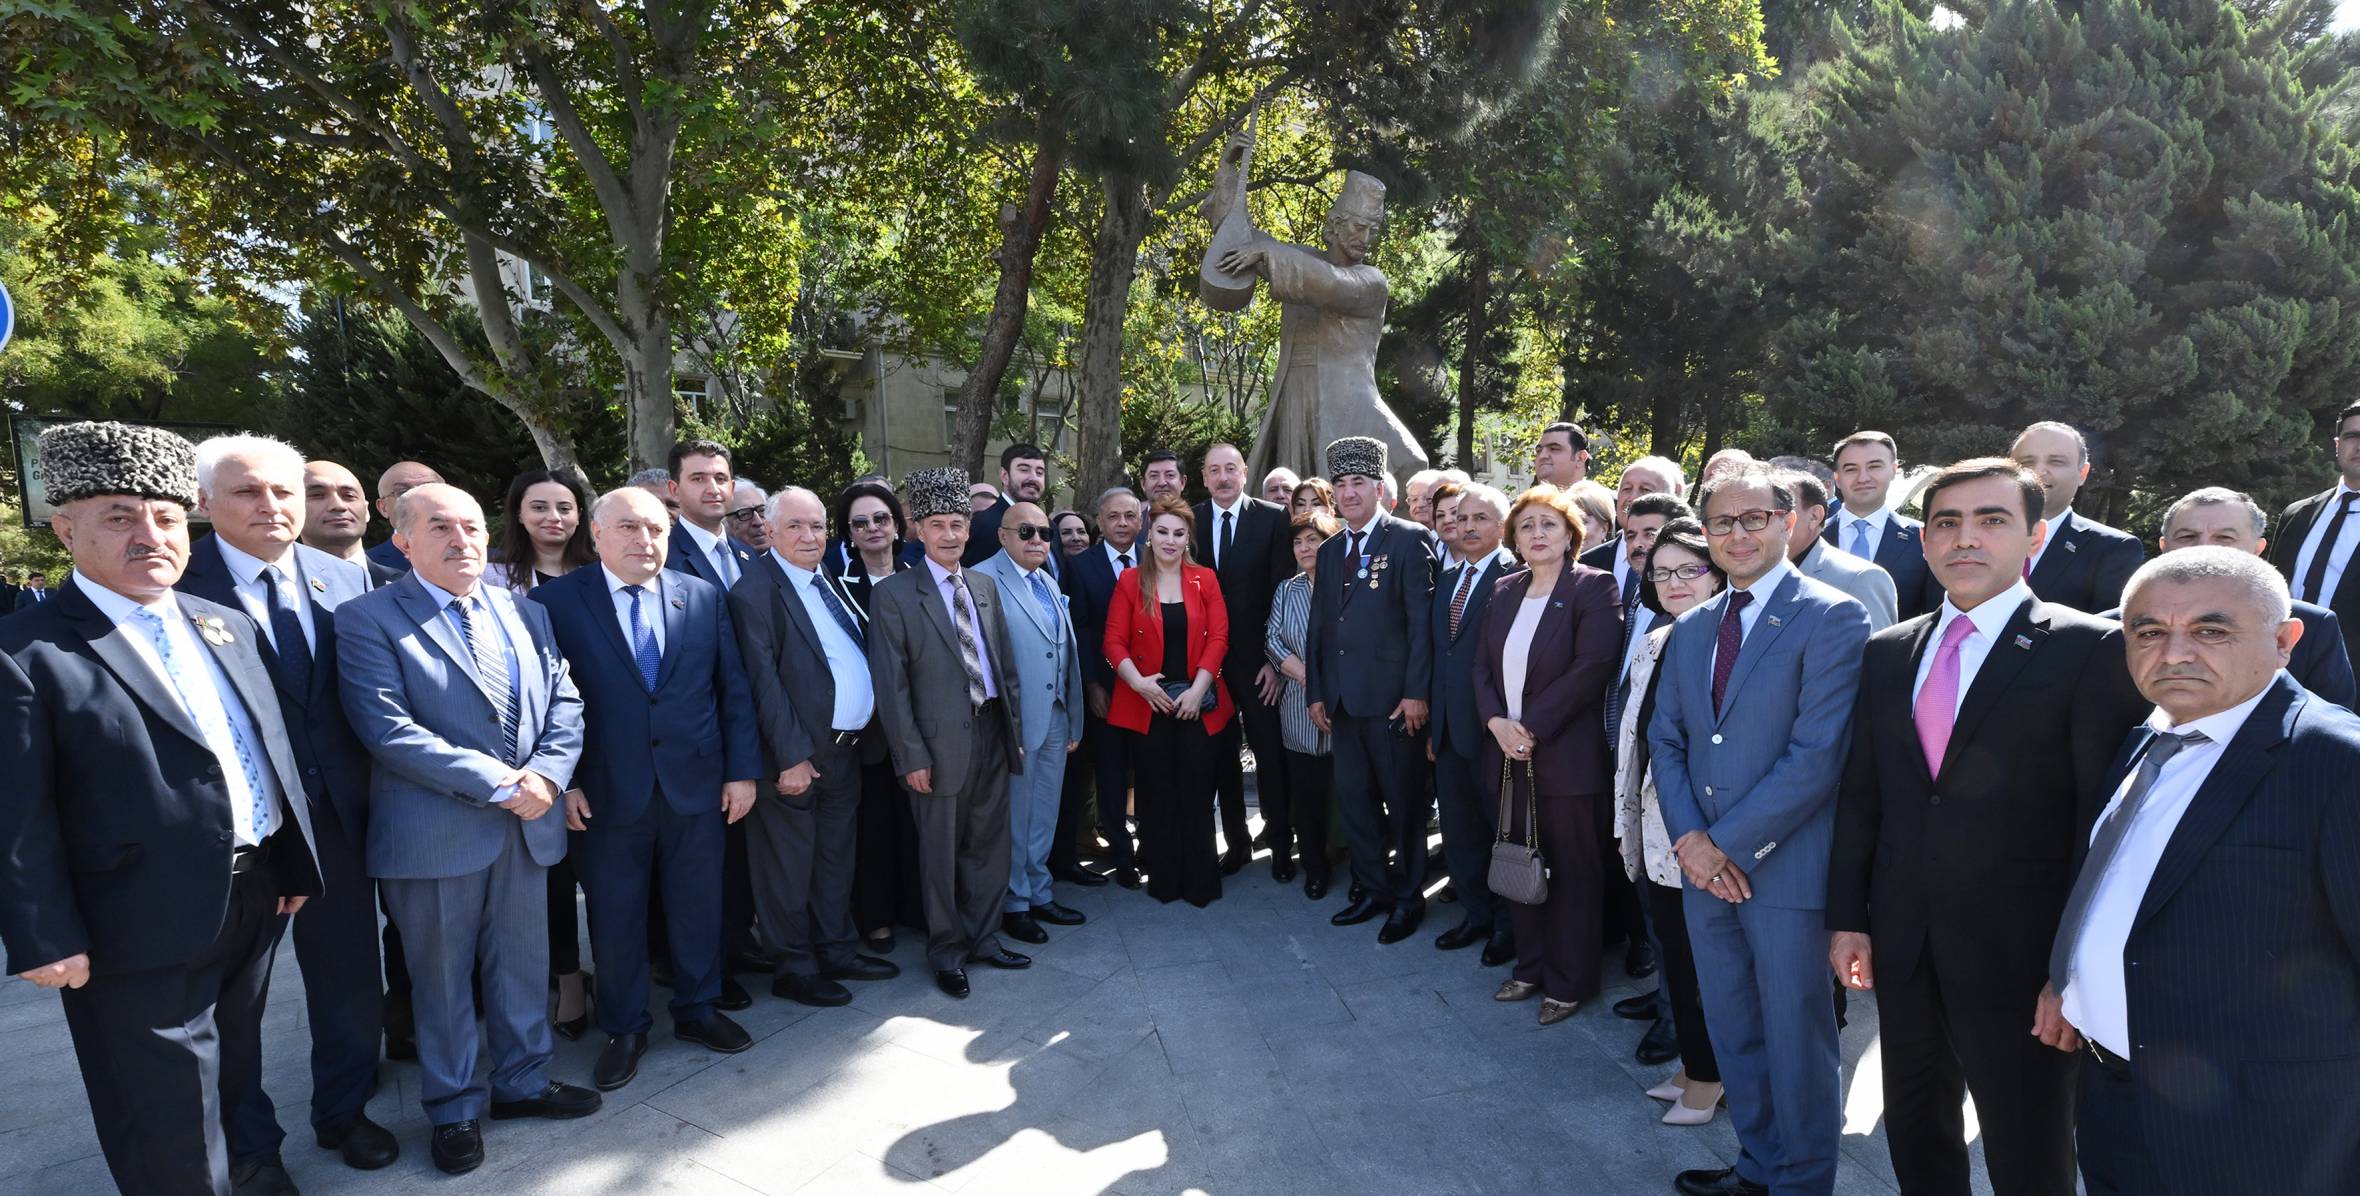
(1176, 689)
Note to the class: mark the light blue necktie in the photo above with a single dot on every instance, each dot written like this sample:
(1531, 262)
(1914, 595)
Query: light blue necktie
(204, 703)
(1860, 546)
(1040, 591)
(643, 640)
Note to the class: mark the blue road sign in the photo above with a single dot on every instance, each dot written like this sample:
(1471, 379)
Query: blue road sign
(7, 315)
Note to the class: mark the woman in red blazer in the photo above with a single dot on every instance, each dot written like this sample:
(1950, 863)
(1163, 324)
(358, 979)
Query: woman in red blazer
(1167, 631)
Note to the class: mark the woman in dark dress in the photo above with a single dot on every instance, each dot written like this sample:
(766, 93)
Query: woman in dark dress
(1166, 633)
(875, 531)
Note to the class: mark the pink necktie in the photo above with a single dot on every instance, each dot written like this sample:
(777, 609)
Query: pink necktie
(1937, 703)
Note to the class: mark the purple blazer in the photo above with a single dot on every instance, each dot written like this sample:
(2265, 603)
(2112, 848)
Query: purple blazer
(1574, 653)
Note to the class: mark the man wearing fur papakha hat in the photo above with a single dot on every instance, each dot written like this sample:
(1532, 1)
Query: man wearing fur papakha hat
(152, 843)
(1368, 658)
(938, 650)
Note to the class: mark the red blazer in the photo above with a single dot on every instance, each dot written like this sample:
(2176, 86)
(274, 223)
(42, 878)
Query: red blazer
(1139, 638)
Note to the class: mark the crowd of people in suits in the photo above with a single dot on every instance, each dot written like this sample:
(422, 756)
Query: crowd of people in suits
(2070, 812)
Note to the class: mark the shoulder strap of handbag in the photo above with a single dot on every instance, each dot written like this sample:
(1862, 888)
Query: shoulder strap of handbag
(1532, 820)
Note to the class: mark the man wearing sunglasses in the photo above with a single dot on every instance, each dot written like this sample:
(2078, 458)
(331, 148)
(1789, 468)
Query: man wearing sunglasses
(1047, 662)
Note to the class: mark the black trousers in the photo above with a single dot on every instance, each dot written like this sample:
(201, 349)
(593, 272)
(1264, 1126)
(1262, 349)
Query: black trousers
(1256, 724)
(1679, 979)
(1311, 781)
(165, 1052)
(884, 855)
(1176, 810)
(1557, 940)
(2115, 1157)
(1470, 817)
(1110, 760)
(1945, 1034)
(565, 912)
(1381, 791)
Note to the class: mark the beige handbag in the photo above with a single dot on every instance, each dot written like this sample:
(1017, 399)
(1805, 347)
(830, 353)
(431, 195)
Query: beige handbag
(1518, 873)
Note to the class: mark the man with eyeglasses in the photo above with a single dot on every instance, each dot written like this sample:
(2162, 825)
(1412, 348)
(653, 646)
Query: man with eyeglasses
(2316, 537)
(1752, 716)
(1047, 666)
(747, 529)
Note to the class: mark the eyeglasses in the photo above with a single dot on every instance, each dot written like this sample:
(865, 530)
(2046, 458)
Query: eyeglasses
(1684, 572)
(862, 523)
(1752, 521)
(1032, 531)
(746, 514)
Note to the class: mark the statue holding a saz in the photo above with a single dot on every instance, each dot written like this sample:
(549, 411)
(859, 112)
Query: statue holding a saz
(1332, 315)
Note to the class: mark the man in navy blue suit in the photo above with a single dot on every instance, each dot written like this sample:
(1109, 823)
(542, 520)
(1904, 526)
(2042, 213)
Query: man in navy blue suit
(1089, 582)
(1461, 595)
(252, 489)
(2081, 563)
(2209, 954)
(1866, 464)
(1752, 721)
(668, 757)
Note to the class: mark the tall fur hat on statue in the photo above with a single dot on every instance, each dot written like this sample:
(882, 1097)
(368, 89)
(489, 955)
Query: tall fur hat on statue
(937, 492)
(1362, 455)
(80, 460)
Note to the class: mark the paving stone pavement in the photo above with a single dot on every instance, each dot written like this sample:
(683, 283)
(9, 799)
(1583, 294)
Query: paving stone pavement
(1249, 1047)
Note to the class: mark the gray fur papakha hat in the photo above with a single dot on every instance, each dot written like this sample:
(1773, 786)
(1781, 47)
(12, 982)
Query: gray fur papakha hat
(937, 492)
(89, 458)
(1356, 454)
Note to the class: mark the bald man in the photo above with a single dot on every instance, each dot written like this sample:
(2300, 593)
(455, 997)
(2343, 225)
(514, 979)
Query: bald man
(399, 479)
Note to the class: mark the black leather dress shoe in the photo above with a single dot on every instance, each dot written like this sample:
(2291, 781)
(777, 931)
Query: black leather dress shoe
(1401, 923)
(1357, 893)
(1361, 910)
(750, 961)
(554, 1102)
(864, 967)
(882, 944)
(1234, 861)
(1077, 876)
(619, 1062)
(1022, 928)
(953, 983)
(458, 1147)
(1461, 935)
(1315, 887)
(816, 991)
(1640, 1008)
(263, 1176)
(1127, 877)
(1500, 948)
(1661, 1044)
(1640, 960)
(733, 995)
(1282, 869)
(1005, 960)
(365, 1145)
(1724, 1182)
(714, 1032)
(1058, 915)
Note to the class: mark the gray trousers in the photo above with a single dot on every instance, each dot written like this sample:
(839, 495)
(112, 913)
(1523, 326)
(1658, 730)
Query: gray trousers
(963, 853)
(497, 919)
(799, 853)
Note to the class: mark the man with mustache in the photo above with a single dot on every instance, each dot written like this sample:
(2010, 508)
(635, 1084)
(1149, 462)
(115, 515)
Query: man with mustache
(1980, 743)
(461, 694)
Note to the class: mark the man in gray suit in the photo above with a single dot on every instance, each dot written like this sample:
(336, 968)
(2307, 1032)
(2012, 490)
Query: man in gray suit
(1046, 668)
(1865, 582)
(805, 644)
(1752, 721)
(463, 699)
(938, 649)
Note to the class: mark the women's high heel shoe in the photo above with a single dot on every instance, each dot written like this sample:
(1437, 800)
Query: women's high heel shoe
(1672, 1088)
(1683, 1112)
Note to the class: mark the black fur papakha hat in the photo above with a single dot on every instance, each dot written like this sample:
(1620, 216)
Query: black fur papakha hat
(1362, 455)
(83, 459)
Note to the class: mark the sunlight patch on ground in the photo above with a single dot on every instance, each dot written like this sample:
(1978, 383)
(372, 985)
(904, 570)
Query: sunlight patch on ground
(1865, 1103)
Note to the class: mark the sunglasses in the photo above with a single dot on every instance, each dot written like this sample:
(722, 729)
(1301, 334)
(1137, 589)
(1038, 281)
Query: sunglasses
(862, 523)
(1033, 531)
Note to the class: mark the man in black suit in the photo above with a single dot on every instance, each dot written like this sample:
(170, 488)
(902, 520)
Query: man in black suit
(1647, 475)
(2080, 563)
(34, 593)
(1369, 659)
(2208, 953)
(1457, 735)
(1866, 464)
(2317, 536)
(251, 487)
(1981, 732)
(1246, 541)
(398, 479)
(152, 844)
(1024, 477)
(1089, 585)
(2321, 661)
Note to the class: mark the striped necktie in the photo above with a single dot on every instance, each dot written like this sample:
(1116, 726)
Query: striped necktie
(491, 667)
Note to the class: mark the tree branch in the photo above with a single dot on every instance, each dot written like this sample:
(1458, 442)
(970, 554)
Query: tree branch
(1217, 44)
(352, 110)
(629, 81)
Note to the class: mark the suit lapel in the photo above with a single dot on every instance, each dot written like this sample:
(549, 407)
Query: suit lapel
(1776, 614)
(113, 645)
(2020, 639)
(1024, 602)
(1920, 639)
(2226, 789)
(532, 684)
(672, 603)
(1353, 582)
(937, 610)
(1478, 599)
(2057, 557)
(598, 603)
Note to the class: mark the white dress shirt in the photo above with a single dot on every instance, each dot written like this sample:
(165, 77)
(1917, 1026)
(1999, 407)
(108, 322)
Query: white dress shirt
(253, 590)
(1988, 618)
(2339, 555)
(1114, 558)
(1763, 589)
(1846, 522)
(726, 563)
(651, 608)
(856, 695)
(2049, 540)
(2096, 999)
(212, 710)
(1236, 513)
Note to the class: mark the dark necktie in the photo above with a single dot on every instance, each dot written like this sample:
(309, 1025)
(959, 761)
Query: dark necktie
(1458, 597)
(491, 666)
(643, 640)
(1228, 536)
(1732, 639)
(1630, 627)
(1630, 593)
(843, 617)
(2104, 844)
(1123, 563)
(2315, 577)
(286, 632)
(1358, 538)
